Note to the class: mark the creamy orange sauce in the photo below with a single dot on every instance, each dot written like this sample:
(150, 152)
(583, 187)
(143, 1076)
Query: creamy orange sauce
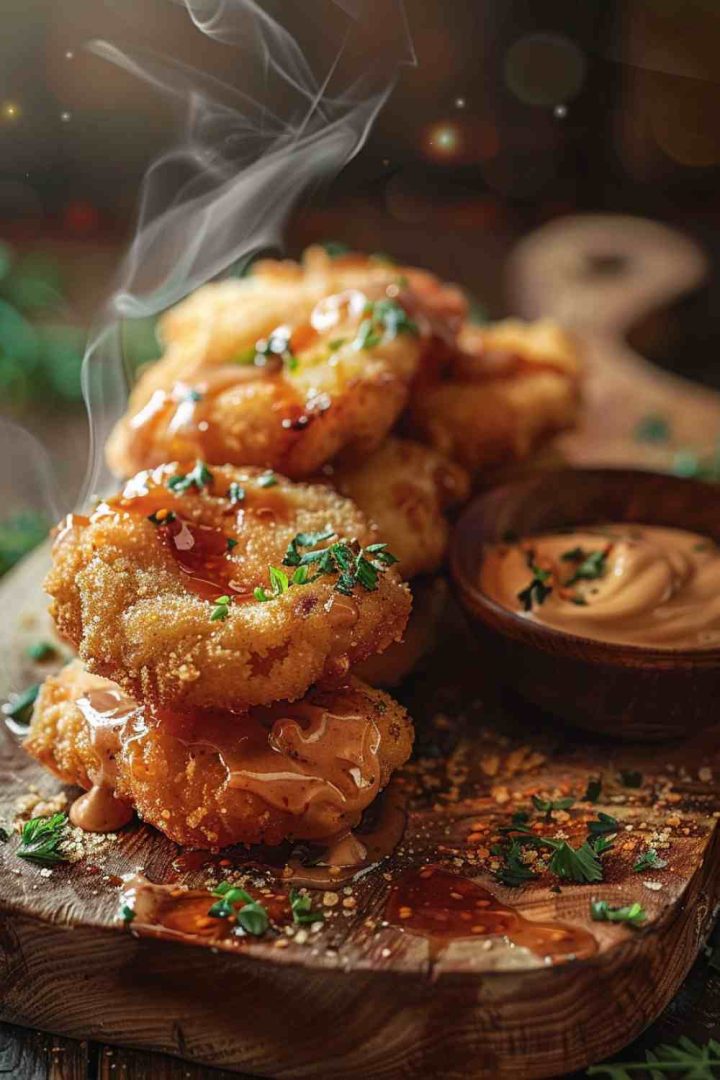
(630, 584)
(313, 763)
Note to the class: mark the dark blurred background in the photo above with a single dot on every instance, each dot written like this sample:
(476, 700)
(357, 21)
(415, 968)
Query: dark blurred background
(515, 113)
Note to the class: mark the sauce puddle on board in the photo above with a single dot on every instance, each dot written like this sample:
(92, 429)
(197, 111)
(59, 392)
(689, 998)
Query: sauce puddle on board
(443, 906)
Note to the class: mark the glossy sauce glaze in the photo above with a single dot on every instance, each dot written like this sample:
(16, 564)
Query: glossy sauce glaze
(171, 911)
(207, 555)
(183, 415)
(443, 906)
(320, 766)
(630, 584)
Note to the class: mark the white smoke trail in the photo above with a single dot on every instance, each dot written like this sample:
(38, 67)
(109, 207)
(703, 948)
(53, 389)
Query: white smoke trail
(227, 190)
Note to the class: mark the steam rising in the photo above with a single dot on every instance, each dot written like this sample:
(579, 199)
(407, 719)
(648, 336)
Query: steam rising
(227, 190)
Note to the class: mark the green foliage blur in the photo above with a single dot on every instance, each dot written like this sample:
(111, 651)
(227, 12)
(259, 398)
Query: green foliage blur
(41, 352)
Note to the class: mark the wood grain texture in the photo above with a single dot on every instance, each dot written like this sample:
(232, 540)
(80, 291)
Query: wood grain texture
(364, 998)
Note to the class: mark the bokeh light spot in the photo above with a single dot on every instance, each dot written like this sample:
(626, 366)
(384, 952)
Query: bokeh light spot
(542, 69)
(10, 110)
(443, 140)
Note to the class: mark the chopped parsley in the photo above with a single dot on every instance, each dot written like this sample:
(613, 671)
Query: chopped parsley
(333, 248)
(21, 707)
(631, 914)
(352, 564)
(235, 493)
(42, 650)
(193, 395)
(514, 873)
(230, 543)
(538, 590)
(221, 611)
(580, 865)
(649, 860)
(41, 838)
(590, 565)
(279, 583)
(592, 791)
(384, 321)
(267, 480)
(546, 806)
(252, 918)
(127, 914)
(604, 825)
(653, 428)
(199, 477)
(303, 912)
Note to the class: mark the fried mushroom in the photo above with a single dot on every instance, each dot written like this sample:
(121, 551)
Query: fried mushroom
(301, 771)
(224, 588)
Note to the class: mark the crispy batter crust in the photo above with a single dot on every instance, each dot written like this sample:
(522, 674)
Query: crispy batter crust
(334, 398)
(511, 385)
(404, 488)
(182, 788)
(121, 597)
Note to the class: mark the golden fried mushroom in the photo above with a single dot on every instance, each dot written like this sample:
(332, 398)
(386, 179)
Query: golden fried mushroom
(286, 368)
(404, 488)
(302, 771)
(389, 669)
(510, 385)
(224, 588)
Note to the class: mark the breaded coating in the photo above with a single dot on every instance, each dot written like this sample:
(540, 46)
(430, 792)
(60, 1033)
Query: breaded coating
(389, 669)
(301, 771)
(286, 368)
(135, 587)
(404, 488)
(511, 385)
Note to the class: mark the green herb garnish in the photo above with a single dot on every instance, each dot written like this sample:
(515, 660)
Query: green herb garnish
(221, 610)
(353, 565)
(592, 791)
(605, 824)
(236, 493)
(42, 650)
(279, 583)
(649, 860)
(590, 565)
(632, 914)
(303, 912)
(41, 838)
(21, 707)
(653, 428)
(127, 914)
(230, 543)
(333, 248)
(193, 395)
(514, 873)
(538, 590)
(251, 918)
(199, 477)
(275, 346)
(267, 480)
(384, 321)
(685, 1059)
(580, 865)
(546, 806)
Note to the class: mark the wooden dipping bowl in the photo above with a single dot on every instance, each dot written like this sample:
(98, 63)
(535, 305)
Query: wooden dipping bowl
(630, 691)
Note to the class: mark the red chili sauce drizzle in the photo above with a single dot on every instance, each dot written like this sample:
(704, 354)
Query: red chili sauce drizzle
(201, 551)
(443, 906)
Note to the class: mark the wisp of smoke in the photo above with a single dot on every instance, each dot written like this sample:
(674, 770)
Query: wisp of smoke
(226, 191)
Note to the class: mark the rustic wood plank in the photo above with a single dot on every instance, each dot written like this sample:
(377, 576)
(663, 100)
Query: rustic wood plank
(364, 997)
(35, 1055)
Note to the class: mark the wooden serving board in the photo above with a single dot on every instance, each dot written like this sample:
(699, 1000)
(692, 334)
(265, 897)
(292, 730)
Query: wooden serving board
(368, 995)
